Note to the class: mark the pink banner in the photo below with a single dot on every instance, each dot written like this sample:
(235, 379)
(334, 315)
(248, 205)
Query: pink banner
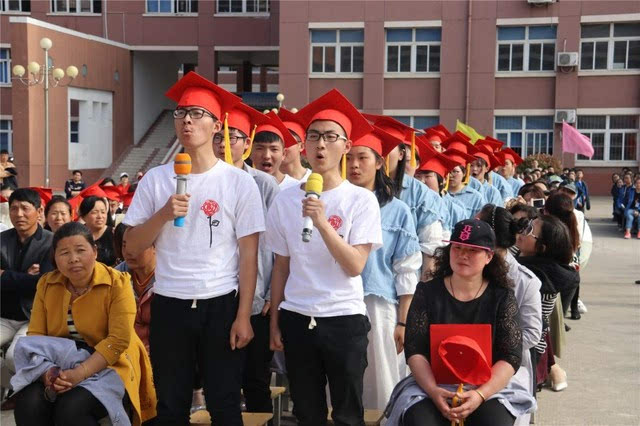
(575, 142)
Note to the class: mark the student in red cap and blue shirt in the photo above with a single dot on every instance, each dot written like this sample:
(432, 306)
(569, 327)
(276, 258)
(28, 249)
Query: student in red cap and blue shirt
(206, 270)
(319, 315)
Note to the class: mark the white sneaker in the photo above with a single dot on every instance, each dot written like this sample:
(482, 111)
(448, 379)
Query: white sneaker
(582, 308)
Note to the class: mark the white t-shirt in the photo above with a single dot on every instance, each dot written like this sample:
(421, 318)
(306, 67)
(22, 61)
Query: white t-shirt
(306, 175)
(288, 182)
(200, 260)
(317, 284)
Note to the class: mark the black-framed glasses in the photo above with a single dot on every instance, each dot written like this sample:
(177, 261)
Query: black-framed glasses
(329, 137)
(218, 139)
(195, 113)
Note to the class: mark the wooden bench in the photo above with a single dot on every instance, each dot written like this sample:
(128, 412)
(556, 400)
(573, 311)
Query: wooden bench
(276, 396)
(202, 417)
(371, 417)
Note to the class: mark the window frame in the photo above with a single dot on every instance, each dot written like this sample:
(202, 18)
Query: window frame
(6, 61)
(608, 131)
(9, 132)
(524, 149)
(337, 45)
(413, 59)
(244, 8)
(526, 46)
(4, 6)
(173, 8)
(611, 40)
(78, 11)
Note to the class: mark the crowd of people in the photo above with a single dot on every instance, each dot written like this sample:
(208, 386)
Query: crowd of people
(406, 270)
(625, 192)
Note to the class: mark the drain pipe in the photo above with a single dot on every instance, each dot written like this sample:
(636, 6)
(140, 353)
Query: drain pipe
(468, 73)
(104, 19)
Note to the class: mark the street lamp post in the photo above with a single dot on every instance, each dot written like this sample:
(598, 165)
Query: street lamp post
(40, 75)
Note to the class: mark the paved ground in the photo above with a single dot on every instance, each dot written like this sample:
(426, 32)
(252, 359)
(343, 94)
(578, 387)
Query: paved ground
(603, 360)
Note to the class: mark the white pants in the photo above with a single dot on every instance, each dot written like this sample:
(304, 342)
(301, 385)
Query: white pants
(11, 331)
(386, 368)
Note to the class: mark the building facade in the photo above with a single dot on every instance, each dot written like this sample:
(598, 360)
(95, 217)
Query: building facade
(512, 69)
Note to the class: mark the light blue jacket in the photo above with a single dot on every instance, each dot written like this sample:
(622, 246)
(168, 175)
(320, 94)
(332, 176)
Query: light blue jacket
(501, 184)
(423, 202)
(491, 194)
(470, 199)
(516, 184)
(399, 241)
(455, 212)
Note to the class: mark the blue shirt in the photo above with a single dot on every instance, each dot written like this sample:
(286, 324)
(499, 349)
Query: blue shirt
(491, 194)
(470, 199)
(399, 240)
(423, 202)
(474, 183)
(516, 184)
(501, 184)
(455, 212)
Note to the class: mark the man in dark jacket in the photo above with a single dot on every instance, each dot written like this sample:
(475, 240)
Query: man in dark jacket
(24, 258)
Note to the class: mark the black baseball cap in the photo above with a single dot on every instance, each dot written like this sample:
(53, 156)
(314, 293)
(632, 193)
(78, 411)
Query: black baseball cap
(473, 233)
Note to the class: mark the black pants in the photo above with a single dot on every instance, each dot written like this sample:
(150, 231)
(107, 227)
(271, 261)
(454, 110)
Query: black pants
(490, 413)
(335, 349)
(182, 336)
(256, 377)
(75, 407)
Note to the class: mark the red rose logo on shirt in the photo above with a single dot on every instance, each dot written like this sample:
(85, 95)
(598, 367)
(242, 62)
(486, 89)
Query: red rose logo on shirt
(335, 222)
(210, 207)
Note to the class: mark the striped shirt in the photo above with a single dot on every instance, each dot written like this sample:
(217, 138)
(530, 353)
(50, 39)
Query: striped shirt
(73, 332)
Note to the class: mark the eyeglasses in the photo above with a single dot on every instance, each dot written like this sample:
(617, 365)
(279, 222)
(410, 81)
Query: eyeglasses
(195, 113)
(218, 138)
(329, 137)
(528, 231)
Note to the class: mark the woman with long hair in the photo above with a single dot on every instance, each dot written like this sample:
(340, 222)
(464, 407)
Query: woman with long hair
(390, 274)
(470, 286)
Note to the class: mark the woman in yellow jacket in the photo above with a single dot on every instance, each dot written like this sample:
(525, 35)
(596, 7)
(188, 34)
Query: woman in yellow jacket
(89, 302)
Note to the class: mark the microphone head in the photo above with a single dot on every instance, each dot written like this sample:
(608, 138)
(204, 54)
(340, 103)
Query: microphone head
(314, 183)
(182, 164)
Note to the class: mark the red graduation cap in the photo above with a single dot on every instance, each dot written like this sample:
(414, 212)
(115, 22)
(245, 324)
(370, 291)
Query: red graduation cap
(485, 152)
(424, 148)
(437, 131)
(3, 199)
(292, 122)
(195, 90)
(380, 141)
(95, 191)
(127, 198)
(75, 205)
(46, 194)
(509, 154)
(243, 118)
(459, 157)
(275, 125)
(458, 141)
(461, 353)
(493, 143)
(112, 192)
(333, 106)
(438, 163)
(391, 125)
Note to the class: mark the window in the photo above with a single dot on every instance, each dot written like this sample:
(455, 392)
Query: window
(172, 6)
(5, 135)
(413, 50)
(337, 51)
(15, 6)
(526, 48)
(526, 135)
(613, 137)
(418, 122)
(610, 46)
(243, 6)
(74, 132)
(76, 6)
(5, 66)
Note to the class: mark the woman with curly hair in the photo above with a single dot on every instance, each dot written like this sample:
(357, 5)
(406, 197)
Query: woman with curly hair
(470, 286)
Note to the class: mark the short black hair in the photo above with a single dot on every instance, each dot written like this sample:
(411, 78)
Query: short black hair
(7, 186)
(4, 151)
(267, 137)
(88, 204)
(530, 211)
(55, 200)
(106, 181)
(76, 171)
(70, 229)
(27, 195)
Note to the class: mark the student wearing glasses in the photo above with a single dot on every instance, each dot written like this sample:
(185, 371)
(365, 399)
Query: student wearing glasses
(319, 316)
(206, 270)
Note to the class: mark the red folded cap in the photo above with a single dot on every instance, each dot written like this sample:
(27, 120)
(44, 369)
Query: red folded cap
(195, 90)
(3, 199)
(127, 198)
(509, 154)
(380, 141)
(458, 141)
(333, 106)
(94, 190)
(391, 125)
(112, 192)
(275, 125)
(461, 353)
(292, 122)
(424, 148)
(484, 152)
(459, 157)
(243, 118)
(46, 194)
(438, 130)
(438, 163)
(75, 205)
(494, 143)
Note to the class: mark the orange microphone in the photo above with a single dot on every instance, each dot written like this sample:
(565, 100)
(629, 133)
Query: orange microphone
(182, 168)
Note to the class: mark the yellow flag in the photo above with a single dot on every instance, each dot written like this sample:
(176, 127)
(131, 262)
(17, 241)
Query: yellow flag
(469, 131)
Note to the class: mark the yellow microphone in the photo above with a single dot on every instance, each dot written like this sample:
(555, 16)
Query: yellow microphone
(313, 188)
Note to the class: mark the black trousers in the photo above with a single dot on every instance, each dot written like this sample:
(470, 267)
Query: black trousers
(490, 413)
(256, 377)
(180, 338)
(75, 407)
(334, 350)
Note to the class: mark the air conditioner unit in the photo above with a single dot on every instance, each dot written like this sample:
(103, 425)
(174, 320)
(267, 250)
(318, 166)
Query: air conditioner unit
(568, 115)
(540, 2)
(568, 59)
